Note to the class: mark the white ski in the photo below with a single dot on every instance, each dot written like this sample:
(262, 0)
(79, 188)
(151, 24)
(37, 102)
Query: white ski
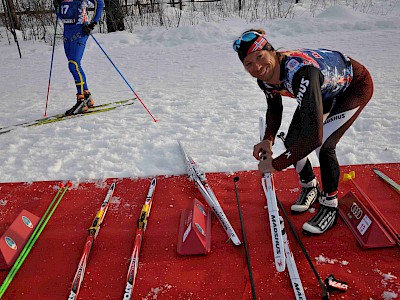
(269, 190)
(199, 178)
(273, 212)
(292, 267)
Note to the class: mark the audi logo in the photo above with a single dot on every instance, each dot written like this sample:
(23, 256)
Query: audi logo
(356, 211)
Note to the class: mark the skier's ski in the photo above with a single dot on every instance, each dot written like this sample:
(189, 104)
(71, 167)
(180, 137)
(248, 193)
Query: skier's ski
(93, 232)
(142, 224)
(60, 117)
(291, 266)
(199, 178)
(273, 212)
(276, 231)
(388, 180)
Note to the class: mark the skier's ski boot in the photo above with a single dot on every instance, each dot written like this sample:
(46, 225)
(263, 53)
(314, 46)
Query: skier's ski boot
(80, 106)
(89, 99)
(325, 217)
(309, 193)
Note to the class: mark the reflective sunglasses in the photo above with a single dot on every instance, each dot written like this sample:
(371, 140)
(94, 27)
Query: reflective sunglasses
(247, 37)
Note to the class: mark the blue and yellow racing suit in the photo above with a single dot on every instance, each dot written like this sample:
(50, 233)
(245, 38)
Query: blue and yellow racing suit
(73, 13)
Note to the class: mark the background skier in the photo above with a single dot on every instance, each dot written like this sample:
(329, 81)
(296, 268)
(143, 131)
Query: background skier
(77, 28)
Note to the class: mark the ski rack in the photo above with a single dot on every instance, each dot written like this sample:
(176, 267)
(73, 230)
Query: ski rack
(196, 175)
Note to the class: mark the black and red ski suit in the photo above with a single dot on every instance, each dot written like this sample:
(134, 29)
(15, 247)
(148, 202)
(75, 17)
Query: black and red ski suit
(331, 90)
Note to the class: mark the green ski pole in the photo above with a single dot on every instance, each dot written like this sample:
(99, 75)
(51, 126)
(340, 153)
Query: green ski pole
(36, 233)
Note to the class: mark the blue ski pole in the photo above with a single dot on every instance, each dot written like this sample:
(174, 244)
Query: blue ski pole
(124, 79)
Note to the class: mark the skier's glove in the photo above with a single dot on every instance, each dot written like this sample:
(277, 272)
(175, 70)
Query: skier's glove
(57, 3)
(87, 28)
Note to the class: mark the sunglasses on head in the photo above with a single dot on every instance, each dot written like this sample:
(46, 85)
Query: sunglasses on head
(247, 37)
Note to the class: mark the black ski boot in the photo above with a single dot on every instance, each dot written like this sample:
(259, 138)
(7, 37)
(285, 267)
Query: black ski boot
(325, 217)
(81, 105)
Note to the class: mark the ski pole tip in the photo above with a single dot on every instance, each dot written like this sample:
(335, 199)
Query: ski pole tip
(236, 179)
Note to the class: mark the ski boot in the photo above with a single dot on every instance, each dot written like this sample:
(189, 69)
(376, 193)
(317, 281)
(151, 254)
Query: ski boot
(325, 217)
(309, 193)
(83, 102)
(89, 99)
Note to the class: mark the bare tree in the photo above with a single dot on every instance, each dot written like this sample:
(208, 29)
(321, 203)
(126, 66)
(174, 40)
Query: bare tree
(114, 16)
(13, 14)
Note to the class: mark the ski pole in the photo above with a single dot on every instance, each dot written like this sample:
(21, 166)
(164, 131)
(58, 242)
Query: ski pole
(101, 48)
(253, 290)
(35, 235)
(325, 295)
(51, 65)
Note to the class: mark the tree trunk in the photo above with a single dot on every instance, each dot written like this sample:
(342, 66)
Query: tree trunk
(14, 19)
(114, 16)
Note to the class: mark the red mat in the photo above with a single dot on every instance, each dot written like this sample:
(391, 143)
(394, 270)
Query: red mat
(48, 271)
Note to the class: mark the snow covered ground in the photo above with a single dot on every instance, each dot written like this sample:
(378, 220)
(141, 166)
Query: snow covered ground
(194, 84)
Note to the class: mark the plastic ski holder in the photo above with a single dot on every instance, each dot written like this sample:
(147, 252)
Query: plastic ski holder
(16, 236)
(368, 231)
(195, 230)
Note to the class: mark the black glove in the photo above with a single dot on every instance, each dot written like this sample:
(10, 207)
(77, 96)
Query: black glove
(57, 3)
(87, 28)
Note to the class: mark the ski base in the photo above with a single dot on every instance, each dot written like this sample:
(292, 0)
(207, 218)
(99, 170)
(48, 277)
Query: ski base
(60, 117)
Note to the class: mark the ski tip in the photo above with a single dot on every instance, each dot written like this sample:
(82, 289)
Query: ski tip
(237, 243)
(281, 268)
(235, 240)
(69, 184)
(61, 185)
(280, 264)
